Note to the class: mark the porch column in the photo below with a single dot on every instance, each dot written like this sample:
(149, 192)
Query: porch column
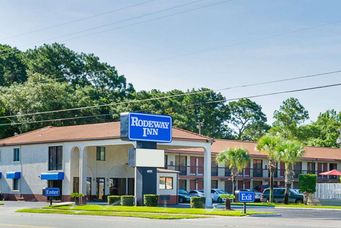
(207, 176)
(83, 168)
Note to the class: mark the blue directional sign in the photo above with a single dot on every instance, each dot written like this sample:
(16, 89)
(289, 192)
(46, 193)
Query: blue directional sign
(246, 197)
(148, 127)
(51, 192)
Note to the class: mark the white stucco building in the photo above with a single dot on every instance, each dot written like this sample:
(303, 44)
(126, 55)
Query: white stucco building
(90, 159)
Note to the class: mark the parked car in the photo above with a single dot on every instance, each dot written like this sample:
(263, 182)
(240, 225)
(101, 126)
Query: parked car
(294, 196)
(184, 196)
(216, 193)
(196, 193)
(258, 195)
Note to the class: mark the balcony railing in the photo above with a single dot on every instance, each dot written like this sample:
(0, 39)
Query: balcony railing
(247, 172)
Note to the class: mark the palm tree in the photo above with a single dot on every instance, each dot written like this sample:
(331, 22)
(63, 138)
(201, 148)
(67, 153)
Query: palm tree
(289, 152)
(237, 159)
(268, 144)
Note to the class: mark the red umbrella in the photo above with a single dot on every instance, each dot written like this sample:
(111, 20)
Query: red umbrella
(333, 172)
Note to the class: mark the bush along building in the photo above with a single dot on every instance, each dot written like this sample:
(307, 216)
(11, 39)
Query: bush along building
(125, 158)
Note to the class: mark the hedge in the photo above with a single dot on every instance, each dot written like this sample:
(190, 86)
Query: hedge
(150, 200)
(127, 200)
(307, 183)
(114, 200)
(197, 202)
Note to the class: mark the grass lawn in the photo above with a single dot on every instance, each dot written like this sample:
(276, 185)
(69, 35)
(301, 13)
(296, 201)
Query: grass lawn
(306, 206)
(140, 212)
(1, 203)
(260, 204)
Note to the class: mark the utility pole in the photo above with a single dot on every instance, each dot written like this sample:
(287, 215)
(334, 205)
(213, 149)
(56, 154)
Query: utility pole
(338, 140)
(200, 124)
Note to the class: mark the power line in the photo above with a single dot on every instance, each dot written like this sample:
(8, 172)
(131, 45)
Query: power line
(175, 95)
(243, 42)
(60, 119)
(275, 93)
(133, 18)
(217, 101)
(124, 20)
(78, 20)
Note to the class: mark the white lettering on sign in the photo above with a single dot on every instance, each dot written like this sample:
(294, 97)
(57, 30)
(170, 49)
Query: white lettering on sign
(150, 127)
(52, 192)
(246, 197)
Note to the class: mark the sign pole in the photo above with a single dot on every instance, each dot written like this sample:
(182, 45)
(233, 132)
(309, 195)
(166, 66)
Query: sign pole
(244, 205)
(50, 201)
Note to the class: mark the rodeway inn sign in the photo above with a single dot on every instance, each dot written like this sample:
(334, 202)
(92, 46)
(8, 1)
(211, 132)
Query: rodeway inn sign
(146, 127)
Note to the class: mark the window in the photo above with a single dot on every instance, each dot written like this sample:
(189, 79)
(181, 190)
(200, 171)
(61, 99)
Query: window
(15, 184)
(55, 158)
(166, 183)
(16, 154)
(100, 153)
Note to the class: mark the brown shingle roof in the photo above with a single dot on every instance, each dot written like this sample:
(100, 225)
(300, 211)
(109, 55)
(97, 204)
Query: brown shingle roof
(84, 132)
(311, 153)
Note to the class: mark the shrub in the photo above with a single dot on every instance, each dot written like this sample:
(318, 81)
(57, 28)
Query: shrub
(114, 200)
(127, 200)
(76, 195)
(307, 183)
(150, 200)
(197, 202)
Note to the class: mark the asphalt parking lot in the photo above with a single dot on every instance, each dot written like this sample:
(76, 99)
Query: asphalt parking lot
(283, 218)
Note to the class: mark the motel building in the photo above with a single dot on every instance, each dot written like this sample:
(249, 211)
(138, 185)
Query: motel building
(93, 159)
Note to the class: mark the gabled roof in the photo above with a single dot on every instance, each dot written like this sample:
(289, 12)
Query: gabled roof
(311, 153)
(86, 132)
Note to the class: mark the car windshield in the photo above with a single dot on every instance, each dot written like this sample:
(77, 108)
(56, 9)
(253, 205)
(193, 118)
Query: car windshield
(183, 191)
(220, 191)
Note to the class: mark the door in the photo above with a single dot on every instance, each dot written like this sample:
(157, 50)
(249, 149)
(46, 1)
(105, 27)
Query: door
(118, 186)
(100, 188)
(181, 164)
(200, 166)
(89, 187)
(75, 184)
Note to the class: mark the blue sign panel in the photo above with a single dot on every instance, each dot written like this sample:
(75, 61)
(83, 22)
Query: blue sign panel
(13, 175)
(52, 176)
(0, 175)
(148, 127)
(51, 192)
(246, 197)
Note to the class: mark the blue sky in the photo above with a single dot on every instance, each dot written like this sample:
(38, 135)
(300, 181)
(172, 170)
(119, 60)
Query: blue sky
(197, 43)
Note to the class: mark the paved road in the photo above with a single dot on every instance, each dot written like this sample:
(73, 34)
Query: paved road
(288, 218)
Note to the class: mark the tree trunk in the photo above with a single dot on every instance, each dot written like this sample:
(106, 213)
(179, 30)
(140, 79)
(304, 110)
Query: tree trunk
(287, 173)
(271, 180)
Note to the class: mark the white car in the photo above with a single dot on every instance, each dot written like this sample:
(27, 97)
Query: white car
(196, 193)
(216, 193)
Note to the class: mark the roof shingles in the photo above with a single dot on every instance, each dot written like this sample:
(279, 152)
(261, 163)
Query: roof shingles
(84, 132)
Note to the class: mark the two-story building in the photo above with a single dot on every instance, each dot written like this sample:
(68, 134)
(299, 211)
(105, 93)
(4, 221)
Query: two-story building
(189, 163)
(92, 159)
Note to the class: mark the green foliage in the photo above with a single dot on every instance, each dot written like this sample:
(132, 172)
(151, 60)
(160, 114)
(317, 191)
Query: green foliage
(127, 200)
(237, 158)
(288, 118)
(197, 202)
(12, 66)
(325, 130)
(150, 200)
(307, 183)
(76, 195)
(227, 196)
(114, 200)
(289, 151)
(190, 110)
(247, 119)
